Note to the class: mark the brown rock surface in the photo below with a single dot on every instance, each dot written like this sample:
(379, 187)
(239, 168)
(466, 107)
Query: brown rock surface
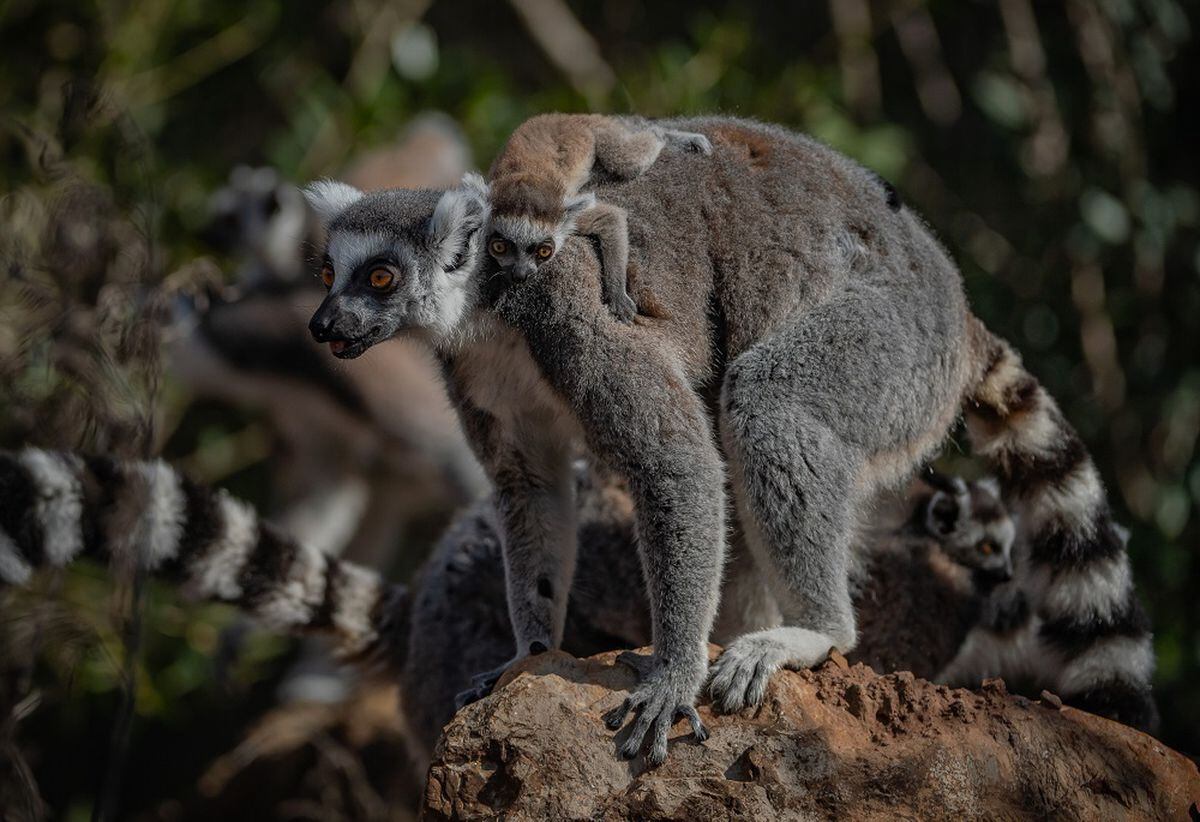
(839, 741)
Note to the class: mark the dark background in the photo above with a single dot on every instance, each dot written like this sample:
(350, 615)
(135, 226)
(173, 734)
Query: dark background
(1052, 146)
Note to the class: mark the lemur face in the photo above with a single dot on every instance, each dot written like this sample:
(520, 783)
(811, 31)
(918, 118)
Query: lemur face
(519, 245)
(395, 261)
(974, 527)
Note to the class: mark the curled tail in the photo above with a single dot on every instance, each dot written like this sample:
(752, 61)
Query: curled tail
(57, 506)
(1082, 632)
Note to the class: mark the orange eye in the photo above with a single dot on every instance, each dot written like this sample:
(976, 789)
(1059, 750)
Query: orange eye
(327, 275)
(381, 278)
(545, 251)
(986, 548)
(498, 246)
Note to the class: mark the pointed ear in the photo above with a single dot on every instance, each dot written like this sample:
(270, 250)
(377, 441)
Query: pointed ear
(329, 198)
(459, 213)
(576, 204)
(941, 514)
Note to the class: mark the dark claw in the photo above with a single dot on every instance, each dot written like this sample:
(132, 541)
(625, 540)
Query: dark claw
(698, 729)
(616, 717)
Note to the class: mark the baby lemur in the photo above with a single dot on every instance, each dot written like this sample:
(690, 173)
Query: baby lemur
(536, 202)
(812, 346)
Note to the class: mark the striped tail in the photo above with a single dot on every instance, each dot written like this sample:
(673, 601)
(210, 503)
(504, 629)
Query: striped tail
(57, 506)
(1088, 632)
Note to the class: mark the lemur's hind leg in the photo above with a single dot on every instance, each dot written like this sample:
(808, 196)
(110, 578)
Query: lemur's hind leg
(607, 223)
(626, 151)
(802, 457)
(535, 501)
(628, 147)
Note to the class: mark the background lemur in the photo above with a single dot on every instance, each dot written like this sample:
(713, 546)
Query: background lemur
(969, 519)
(535, 199)
(366, 463)
(828, 335)
(915, 608)
(357, 464)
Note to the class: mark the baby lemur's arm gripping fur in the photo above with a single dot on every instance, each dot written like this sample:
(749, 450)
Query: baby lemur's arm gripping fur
(58, 506)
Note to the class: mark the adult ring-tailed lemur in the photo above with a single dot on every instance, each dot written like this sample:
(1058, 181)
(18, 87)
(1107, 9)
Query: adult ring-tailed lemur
(828, 336)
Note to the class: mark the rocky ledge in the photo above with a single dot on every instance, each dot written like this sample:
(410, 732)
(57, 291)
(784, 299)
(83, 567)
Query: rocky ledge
(838, 741)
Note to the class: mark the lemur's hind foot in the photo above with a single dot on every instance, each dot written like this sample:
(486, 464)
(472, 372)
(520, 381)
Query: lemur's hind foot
(740, 677)
(687, 140)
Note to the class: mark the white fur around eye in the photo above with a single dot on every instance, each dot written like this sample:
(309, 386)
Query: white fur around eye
(350, 249)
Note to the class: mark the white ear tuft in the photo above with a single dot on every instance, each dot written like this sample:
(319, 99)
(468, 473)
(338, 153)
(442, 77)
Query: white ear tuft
(459, 213)
(329, 198)
(474, 183)
(942, 514)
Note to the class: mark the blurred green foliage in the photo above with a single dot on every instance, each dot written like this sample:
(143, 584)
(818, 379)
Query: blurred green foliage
(1049, 144)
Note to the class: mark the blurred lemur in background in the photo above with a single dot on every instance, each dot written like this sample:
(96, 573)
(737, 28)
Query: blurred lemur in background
(914, 604)
(363, 453)
(365, 461)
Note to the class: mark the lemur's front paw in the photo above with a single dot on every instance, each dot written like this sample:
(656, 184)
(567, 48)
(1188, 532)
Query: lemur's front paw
(666, 693)
(622, 306)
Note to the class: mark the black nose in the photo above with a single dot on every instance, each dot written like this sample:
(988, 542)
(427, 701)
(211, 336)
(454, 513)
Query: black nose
(321, 325)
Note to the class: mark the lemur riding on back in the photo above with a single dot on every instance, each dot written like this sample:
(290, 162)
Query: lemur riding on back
(535, 199)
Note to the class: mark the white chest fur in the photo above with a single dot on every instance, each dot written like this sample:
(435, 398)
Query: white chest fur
(496, 372)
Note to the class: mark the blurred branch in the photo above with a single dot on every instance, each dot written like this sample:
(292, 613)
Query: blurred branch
(856, 55)
(1044, 153)
(192, 66)
(568, 46)
(936, 89)
(378, 22)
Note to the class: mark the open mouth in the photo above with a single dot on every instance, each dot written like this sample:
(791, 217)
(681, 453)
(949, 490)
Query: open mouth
(349, 349)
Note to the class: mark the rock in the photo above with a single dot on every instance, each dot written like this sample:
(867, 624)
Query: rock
(1052, 700)
(839, 741)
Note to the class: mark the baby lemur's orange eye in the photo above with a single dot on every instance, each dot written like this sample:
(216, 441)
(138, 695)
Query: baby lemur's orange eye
(327, 275)
(545, 251)
(498, 246)
(381, 278)
(986, 548)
